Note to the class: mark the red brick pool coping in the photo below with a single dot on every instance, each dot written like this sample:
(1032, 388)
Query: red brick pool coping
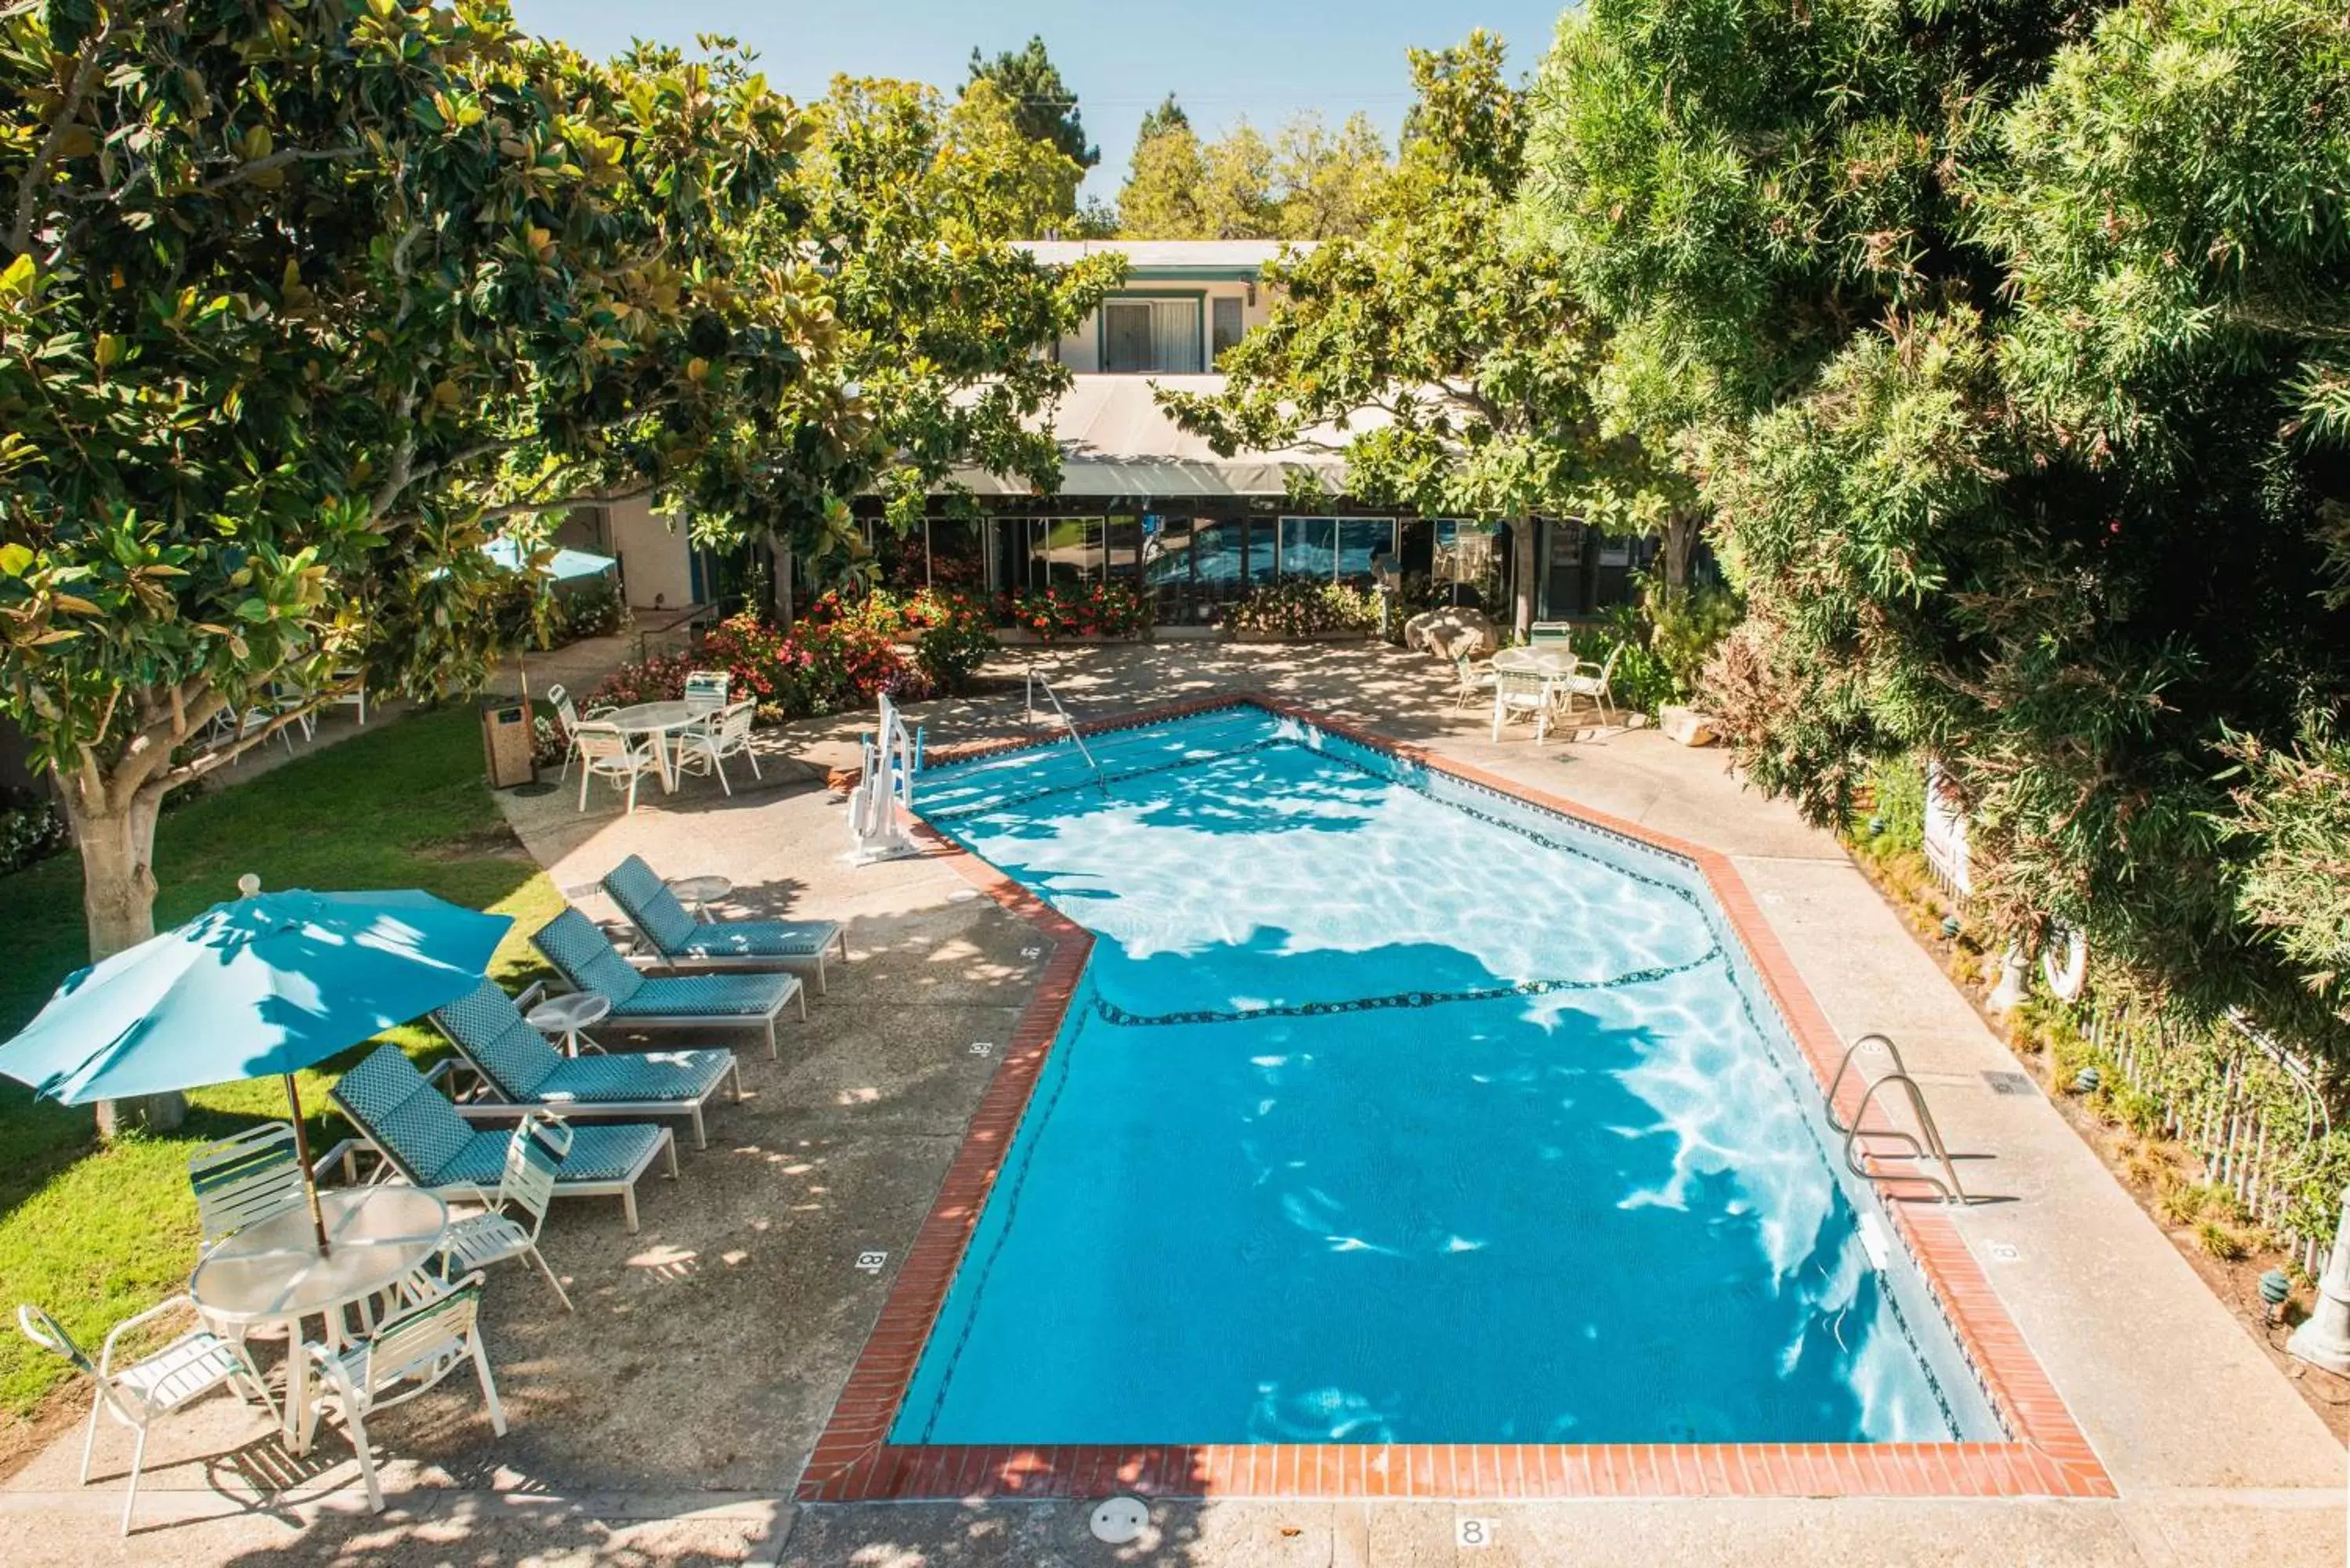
(2046, 1455)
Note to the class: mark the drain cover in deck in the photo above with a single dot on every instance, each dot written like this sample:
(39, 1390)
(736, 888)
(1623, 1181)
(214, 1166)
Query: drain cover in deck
(1120, 1519)
(2008, 1083)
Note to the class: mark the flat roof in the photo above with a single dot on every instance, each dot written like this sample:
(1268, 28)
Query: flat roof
(1193, 258)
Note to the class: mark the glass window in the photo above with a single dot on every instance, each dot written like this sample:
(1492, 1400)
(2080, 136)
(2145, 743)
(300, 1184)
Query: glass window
(1126, 338)
(1359, 539)
(1225, 325)
(1216, 552)
(1122, 542)
(1145, 336)
(1309, 546)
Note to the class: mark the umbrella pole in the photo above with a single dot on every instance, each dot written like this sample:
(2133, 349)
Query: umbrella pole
(302, 1153)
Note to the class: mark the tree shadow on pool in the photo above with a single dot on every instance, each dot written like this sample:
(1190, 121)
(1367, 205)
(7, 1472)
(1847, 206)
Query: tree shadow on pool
(1591, 1218)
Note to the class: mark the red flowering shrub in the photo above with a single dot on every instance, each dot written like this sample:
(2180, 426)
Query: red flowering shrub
(1094, 609)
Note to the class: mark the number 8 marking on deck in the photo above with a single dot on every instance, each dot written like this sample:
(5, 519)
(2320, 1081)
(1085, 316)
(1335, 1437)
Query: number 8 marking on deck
(1476, 1533)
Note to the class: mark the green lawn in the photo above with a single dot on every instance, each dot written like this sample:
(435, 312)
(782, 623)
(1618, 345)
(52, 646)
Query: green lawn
(94, 1235)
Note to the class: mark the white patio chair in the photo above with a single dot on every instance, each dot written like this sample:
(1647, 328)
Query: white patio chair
(354, 694)
(719, 735)
(1592, 680)
(707, 687)
(607, 752)
(246, 1178)
(474, 1244)
(567, 715)
(1521, 694)
(1475, 676)
(184, 1371)
(405, 1355)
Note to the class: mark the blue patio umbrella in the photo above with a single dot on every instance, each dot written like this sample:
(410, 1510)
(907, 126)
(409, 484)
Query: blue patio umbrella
(264, 986)
(565, 564)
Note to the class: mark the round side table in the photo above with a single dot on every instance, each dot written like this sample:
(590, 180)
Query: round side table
(698, 893)
(569, 1015)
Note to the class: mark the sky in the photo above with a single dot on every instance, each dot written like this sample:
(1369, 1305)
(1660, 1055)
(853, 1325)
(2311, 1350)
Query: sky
(1223, 59)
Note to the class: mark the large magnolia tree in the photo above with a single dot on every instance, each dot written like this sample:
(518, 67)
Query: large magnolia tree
(297, 303)
(905, 208)
(2012, 337)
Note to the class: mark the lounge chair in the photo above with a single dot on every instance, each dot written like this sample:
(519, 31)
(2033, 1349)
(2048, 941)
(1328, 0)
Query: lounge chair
(518, 1066)
(681, 941)
(579, 952)
(430, 1146)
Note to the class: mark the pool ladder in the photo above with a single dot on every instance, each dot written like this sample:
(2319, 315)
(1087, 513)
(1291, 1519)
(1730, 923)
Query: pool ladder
(1926, 1145)
(1035, 681)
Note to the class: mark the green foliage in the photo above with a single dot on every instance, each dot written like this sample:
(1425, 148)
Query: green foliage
(2292, 809)
(1044, 109)
(1463, 368)
(31, 828)
(934, 314)
(297, 303)
(1309, 183)
(2004, 340)
(1898, 787)
(1301, 608)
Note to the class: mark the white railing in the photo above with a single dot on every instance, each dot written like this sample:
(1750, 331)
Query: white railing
(1035, 680)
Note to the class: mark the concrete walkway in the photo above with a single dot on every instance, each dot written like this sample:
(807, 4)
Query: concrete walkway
(707, 1350)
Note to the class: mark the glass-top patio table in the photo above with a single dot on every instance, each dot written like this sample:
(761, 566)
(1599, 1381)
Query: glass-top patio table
(273, 1273)
(661, 722)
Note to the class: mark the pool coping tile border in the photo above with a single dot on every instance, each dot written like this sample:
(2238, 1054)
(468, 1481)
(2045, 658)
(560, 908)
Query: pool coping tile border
(2047, 1455)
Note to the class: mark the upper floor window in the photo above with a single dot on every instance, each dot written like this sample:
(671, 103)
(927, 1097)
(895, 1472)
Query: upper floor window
(1225, 327)
(1141, 336)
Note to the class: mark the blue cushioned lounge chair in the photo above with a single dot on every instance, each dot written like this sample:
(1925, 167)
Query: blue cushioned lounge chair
(432, 1147)
(579, 952)
(681, 941)
(518, 1066)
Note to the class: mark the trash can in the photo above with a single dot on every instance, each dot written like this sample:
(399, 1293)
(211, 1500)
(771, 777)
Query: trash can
(506, 743)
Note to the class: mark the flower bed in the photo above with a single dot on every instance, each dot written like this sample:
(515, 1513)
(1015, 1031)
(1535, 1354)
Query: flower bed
(844, 654)
(1066, 614)
(1299, 608)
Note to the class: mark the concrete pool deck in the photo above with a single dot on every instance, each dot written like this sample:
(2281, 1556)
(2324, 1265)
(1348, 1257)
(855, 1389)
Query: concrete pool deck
(670, 1418)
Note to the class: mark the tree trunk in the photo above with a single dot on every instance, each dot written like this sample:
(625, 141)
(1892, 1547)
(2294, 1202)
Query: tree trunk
(1521, 573)
(1680, 545)
(118, 881)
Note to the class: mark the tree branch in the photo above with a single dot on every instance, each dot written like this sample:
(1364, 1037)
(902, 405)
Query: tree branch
(277, 160)
(28, 188)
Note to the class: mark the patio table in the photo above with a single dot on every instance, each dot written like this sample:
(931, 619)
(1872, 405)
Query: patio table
(569, 1015)
(273, 1273)
(661, 722)
(701, 892)
(1554, 661)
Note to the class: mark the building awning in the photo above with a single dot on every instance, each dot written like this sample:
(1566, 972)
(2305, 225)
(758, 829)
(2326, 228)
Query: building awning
(1116, 441)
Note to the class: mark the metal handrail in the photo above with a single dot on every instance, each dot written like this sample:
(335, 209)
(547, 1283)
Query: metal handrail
(1926, 1145)
(1035, 681)
(1855, 1049)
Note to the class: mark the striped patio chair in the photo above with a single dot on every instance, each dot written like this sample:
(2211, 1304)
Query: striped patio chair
(517, 1065)
(580, 953)
(683, 942)
(433, 1147)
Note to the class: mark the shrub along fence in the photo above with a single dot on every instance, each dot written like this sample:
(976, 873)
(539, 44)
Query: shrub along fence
(2250, 1107)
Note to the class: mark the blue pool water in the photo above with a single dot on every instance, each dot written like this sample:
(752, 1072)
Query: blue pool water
(1391, 1109)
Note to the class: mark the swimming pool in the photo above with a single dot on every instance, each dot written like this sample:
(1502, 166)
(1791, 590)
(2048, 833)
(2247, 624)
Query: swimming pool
(1391, 1109)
